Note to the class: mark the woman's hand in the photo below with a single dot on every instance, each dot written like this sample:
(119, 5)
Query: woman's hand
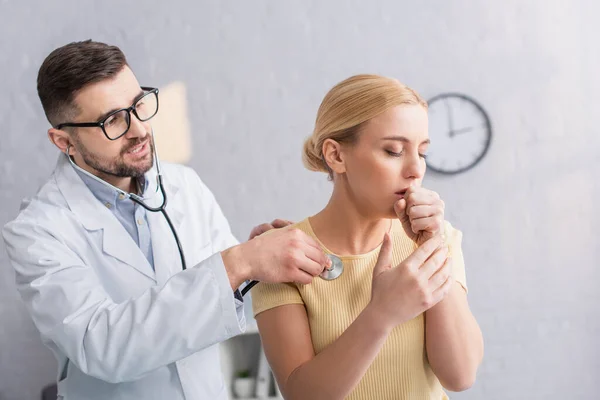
(421, 212)
(414, 286)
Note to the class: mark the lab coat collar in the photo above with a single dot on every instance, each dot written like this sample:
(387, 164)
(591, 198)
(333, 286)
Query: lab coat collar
(94, 216)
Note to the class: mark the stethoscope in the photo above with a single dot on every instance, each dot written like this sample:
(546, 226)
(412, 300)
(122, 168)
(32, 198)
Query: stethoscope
(138, 199)
(328, 274)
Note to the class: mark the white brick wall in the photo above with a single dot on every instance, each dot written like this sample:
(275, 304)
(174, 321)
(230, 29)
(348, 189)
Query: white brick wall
(256, 72)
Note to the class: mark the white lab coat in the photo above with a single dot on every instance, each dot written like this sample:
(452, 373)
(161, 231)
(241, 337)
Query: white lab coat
(118, 329)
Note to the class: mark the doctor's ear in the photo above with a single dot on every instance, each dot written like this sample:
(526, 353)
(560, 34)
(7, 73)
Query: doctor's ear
(332, 154)
(61, 139)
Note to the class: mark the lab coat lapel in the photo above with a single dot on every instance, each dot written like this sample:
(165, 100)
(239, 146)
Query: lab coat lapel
(116, 242)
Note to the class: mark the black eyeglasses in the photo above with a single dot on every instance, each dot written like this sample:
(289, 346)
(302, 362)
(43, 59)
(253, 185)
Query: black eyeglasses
(117, 123)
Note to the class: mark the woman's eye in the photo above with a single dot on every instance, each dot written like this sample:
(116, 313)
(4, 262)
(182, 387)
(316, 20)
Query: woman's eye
(393, 153)
(398, 154)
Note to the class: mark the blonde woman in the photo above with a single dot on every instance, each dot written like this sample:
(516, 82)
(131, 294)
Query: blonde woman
(396, 323)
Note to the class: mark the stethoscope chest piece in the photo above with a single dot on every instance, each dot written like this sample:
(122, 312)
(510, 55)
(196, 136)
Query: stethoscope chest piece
(335, 270)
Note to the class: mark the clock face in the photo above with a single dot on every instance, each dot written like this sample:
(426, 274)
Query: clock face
(460, 133)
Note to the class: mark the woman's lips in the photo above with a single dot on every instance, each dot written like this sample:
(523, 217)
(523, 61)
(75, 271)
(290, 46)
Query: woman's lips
(400, 194)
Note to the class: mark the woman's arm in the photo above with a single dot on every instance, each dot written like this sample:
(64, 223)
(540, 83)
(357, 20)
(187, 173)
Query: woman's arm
(334, 372)
(398, 295)
(453, 340)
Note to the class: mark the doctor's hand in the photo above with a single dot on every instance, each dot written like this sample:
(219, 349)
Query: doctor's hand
(421, 212)
(285, 255)
(262, 228)
(418, 283)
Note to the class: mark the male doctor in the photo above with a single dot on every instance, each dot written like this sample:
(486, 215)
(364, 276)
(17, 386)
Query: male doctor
(102, 276)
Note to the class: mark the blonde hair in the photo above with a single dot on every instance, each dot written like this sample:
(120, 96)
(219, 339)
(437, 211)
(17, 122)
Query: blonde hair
(347, 106)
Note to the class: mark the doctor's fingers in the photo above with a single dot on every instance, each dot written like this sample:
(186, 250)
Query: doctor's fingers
(280, 223)
(259, 230)
(262, 228)
(296, 261)
(302, 277)
(319, 260)
(297, 239)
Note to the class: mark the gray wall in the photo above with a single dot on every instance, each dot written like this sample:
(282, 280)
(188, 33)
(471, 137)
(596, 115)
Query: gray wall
(256, 72)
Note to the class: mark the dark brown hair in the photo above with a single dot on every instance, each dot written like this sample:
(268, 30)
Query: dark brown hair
(69, 69)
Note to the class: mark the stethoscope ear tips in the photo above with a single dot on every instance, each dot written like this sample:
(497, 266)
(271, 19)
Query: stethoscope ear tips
(336, 269)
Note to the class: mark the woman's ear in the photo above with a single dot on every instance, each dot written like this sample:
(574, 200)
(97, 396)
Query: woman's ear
(332, 153)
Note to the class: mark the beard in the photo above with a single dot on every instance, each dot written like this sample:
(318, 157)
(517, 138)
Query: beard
(118, 167)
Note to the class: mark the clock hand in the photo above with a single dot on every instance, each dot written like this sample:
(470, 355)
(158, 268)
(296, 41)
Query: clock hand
(450, 123)
(463, 130)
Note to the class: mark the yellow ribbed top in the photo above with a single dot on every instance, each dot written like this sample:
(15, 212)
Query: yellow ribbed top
(401, 369)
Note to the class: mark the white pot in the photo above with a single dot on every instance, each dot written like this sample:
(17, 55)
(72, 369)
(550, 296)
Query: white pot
(243, 387)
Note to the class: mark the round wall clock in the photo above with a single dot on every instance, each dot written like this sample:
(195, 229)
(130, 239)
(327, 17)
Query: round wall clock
(460, 133)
